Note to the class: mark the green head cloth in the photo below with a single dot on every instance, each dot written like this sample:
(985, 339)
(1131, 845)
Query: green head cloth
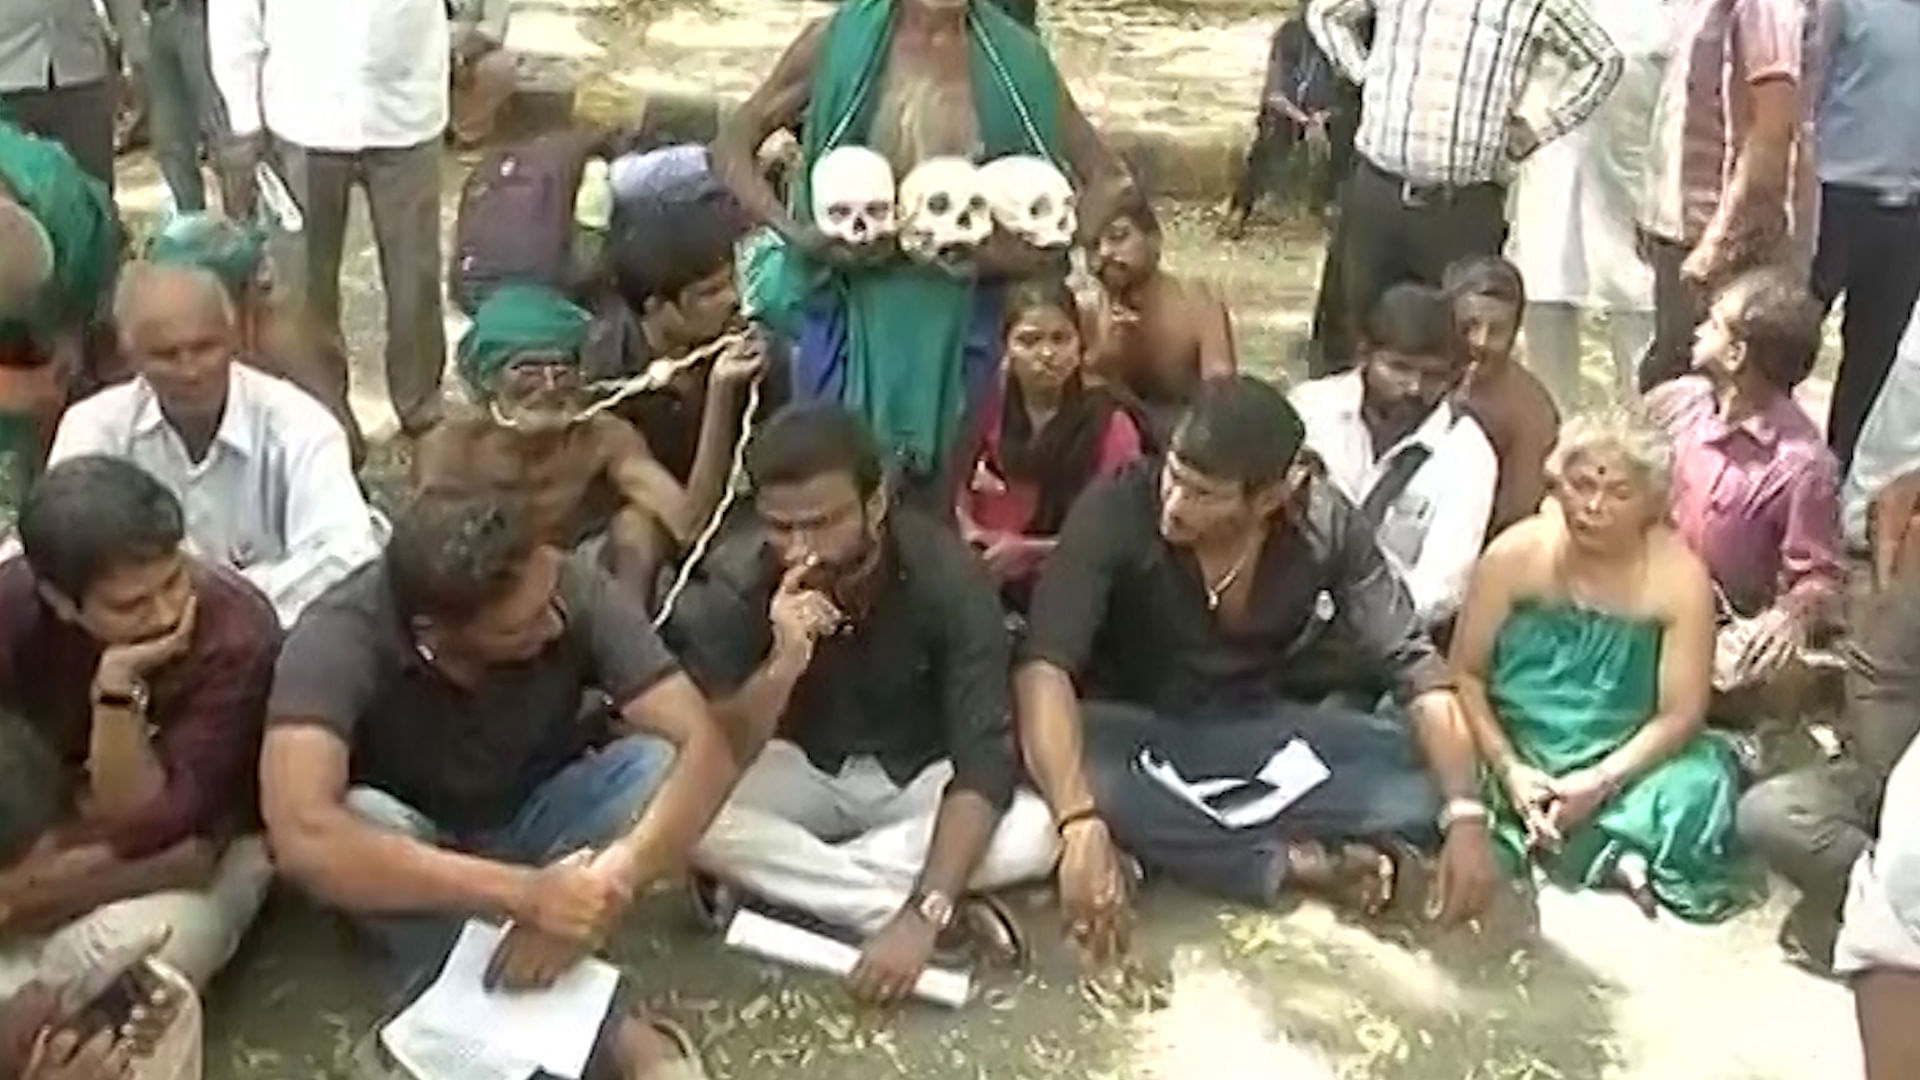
(515, 320)
(229, 250)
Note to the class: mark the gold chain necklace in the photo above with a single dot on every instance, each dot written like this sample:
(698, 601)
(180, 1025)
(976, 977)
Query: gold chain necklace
(1219, 588)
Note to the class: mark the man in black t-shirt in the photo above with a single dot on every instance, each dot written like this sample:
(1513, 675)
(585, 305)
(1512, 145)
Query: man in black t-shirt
(857, 654)
(1157, 676)
(428, 760)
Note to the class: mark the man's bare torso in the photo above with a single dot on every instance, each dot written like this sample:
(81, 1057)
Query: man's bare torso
(1520, 420)
(1154, 351)
(551, 475)
(926, 106)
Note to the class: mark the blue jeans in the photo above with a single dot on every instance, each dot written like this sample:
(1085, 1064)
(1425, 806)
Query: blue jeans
(1378, 788)
(585, 805)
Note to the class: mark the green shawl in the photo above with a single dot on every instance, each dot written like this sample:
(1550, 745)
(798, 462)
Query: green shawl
(906, 323)
(78, 215)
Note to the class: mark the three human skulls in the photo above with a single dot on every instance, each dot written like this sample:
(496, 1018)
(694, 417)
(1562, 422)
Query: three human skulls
(1031, 199)
(853, 195)
(945, 210)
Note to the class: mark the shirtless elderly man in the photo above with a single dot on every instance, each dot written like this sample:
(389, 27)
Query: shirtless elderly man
(910, 347)
(529, 436)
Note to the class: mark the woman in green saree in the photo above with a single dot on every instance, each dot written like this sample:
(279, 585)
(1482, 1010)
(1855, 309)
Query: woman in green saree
(1584, 655)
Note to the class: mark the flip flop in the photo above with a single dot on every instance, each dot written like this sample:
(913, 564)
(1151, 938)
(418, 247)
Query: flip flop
(685, 1067)
(996, 932)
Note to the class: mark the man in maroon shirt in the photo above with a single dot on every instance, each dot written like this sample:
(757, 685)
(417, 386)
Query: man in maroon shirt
(145, 673)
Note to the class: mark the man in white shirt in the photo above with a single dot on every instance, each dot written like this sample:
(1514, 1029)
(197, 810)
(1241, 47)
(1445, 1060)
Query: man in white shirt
(349, 92)
(1889, 445)
(260, 468)
(1394, 443)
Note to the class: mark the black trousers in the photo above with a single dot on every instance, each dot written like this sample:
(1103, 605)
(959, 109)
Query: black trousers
(1870, 251)
(78, 117)
(1392, 231)
(1678, 309)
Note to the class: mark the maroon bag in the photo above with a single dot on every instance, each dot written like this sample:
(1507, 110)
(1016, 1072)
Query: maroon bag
(515, 222)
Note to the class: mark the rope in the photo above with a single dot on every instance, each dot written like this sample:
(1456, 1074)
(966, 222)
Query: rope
(656, 376)
(698, 552)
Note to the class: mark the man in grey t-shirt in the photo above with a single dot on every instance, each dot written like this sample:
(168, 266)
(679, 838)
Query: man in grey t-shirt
(428, 758)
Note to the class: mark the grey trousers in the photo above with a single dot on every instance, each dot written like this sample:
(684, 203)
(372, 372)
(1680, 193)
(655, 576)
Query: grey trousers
(185, 108)
(402, 186)
(1810, 825)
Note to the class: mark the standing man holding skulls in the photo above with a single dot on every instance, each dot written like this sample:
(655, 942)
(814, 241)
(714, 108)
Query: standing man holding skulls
(933, 87)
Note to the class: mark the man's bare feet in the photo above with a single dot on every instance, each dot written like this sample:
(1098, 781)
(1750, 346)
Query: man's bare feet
(1359, 877)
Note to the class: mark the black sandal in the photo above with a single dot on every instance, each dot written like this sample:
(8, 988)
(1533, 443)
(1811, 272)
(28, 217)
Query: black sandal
(995, 932)
(688, 1066)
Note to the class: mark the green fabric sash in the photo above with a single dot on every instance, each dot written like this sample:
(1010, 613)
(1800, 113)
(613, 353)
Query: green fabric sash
(1569, 686)
(78, 215)
(906, 323)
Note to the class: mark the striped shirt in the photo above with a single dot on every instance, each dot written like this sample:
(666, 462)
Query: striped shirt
(1442, 79)
(1722, 49)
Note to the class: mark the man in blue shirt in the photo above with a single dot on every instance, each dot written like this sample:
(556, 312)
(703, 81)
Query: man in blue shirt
(1869, 196)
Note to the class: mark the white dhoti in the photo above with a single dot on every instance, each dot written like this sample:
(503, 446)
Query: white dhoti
(1574, 208)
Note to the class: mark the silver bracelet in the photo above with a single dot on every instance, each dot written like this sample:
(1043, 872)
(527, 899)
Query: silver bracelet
(1458, 810)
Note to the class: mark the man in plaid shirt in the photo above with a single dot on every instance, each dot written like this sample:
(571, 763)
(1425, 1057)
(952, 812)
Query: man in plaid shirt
(1439, 135)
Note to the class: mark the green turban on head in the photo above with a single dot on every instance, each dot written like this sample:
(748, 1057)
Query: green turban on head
(229, 250)
(516, 320)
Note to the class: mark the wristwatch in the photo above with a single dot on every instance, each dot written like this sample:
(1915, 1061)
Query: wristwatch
(1458, 810)
(936, 907)
(133, 699)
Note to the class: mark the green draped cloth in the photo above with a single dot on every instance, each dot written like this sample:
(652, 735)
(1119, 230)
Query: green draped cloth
(515, 320)
(78, 215)
(1569, 686)
(906, 323)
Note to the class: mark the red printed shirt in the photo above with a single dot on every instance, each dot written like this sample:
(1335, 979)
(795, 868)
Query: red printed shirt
(1721, 50)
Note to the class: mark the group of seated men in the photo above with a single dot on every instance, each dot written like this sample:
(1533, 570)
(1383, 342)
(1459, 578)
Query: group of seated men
(875, 712)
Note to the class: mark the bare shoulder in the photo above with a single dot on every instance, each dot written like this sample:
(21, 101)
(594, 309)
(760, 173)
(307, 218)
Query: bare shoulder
(796, 65)
(1536, 405)
(1678, 579)
(1522, 556)
(612, 438)
(451, 441)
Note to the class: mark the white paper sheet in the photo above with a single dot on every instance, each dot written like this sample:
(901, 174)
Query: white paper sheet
(1290, 773)
(459, 1030)
(786, 943)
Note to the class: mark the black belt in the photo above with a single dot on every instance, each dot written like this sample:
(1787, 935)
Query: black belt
(1417, 195)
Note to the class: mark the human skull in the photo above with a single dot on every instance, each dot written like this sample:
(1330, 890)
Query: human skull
(946, 212)
(1030, 199)
(853, 195)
